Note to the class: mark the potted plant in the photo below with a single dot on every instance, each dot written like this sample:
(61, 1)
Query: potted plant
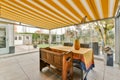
(35, 38)
(35, 44)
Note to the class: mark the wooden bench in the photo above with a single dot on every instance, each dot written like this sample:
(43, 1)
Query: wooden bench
(62, 61)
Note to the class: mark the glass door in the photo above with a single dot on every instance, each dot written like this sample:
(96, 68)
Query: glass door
(3, 39)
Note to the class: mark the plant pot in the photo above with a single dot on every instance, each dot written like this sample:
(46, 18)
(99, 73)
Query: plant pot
(35, 46)
(77, 44)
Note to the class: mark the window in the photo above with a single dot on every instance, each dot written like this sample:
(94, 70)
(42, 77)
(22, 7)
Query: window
(20, 38)
(15, 37)
(27, 37)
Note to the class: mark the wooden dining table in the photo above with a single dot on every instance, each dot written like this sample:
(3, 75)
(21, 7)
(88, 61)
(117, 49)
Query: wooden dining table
(83, 55)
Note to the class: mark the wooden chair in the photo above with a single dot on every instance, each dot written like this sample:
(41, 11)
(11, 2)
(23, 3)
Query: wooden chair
(76, 65)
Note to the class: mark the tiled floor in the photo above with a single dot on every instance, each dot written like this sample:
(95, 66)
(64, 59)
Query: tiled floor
(26, 67)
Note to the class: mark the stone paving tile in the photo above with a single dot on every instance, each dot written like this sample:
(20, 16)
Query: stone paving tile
(26, 67)
(12, 72)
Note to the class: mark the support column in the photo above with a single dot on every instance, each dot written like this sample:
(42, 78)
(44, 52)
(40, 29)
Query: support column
(117, 38)
(50, 38)
(11, 38)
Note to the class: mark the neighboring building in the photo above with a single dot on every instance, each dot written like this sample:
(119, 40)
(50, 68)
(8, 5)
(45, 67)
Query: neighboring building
(23, 39)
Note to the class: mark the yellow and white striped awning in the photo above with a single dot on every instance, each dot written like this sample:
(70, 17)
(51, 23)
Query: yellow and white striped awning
(50, 14)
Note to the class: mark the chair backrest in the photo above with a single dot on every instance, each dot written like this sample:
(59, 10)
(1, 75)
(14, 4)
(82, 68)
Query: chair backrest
(84, 45)
(68, 44)
(95, 47)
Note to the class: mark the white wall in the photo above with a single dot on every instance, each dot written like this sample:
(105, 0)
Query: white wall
(18, 42)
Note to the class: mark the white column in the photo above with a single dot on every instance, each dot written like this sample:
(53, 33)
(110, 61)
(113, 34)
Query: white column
(117, 40)
(11, 34)
(91, 34)
(117, 37)
(50, 38)
(61, 37)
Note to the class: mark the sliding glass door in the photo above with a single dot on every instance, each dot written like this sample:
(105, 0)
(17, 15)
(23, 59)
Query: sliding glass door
(3, 39)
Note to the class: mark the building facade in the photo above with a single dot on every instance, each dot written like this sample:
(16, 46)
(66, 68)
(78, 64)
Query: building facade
(23, 39)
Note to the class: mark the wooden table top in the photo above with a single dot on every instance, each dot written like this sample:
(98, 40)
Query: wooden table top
(69, 48)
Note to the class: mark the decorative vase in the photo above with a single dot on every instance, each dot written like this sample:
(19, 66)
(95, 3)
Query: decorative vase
(77, 44)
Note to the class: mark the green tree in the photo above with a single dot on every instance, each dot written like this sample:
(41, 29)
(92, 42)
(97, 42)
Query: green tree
(35, 37)
(69, 34)
(103, 27)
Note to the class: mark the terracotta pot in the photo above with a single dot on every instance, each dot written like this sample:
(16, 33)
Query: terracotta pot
(77, 44)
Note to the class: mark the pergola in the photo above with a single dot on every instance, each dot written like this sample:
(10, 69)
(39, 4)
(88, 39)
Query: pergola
(50, 14)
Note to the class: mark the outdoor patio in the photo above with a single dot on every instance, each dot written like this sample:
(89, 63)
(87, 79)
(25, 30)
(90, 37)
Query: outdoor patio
(26, 67)
(31, 29)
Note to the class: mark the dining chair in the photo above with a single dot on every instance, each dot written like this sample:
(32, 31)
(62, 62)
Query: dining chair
(68, 44)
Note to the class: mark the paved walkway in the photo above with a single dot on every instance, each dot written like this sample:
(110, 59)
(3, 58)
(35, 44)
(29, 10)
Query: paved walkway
(22, 48)
(26, 67)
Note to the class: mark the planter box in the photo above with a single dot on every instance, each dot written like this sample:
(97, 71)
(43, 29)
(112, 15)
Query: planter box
(62, 62)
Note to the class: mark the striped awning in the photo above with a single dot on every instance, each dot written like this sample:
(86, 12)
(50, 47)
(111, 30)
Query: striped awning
(50, 14)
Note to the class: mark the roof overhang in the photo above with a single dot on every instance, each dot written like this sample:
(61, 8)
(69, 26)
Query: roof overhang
(50, 14)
